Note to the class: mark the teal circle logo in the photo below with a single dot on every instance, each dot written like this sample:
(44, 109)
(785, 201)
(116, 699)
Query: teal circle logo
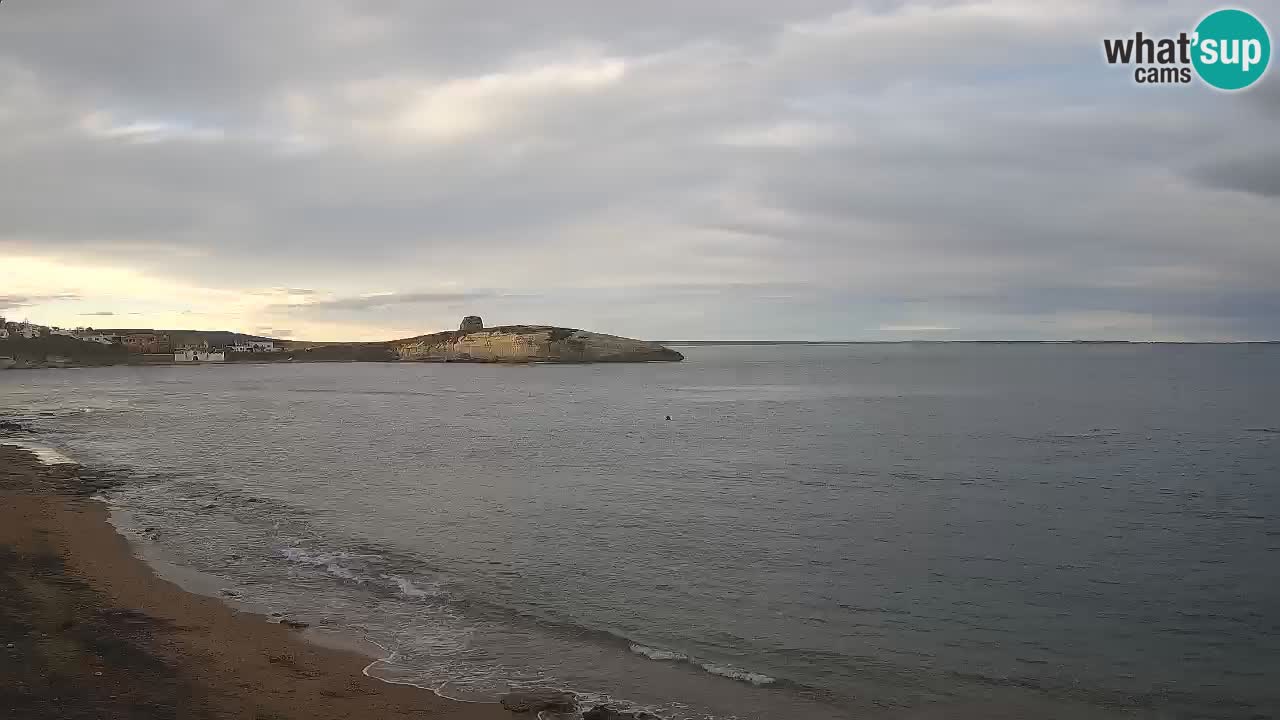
(1232, 49)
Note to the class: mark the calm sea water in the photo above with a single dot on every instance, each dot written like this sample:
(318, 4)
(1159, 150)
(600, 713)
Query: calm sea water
(898, 531)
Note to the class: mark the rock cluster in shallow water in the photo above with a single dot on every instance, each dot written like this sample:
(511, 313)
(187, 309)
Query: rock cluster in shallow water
(536, 701)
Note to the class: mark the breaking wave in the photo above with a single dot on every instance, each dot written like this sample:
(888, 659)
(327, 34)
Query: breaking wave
(721, 669)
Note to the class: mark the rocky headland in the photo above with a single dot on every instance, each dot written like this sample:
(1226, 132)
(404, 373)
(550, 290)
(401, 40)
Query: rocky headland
(473, 342)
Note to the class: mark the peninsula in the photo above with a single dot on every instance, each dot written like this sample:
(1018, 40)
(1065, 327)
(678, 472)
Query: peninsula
(473, 342)
(30, 346)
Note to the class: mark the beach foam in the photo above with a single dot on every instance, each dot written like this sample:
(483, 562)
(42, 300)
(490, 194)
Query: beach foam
(328, 561)
(727, 671)
(46, 455)
(738, 674)
(408, 589)
(657, 653)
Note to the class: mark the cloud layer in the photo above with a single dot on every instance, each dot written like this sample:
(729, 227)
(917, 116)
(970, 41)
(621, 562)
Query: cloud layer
(802, 170)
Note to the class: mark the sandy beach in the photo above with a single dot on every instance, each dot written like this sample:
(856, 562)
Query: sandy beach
(87, 630)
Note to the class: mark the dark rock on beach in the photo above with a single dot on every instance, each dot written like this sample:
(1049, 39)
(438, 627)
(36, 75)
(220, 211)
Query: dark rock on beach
(15, 426)
(533, 701)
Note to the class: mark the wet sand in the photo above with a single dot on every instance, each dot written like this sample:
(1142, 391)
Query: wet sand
(89, 631)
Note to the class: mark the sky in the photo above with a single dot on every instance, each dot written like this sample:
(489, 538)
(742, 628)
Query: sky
(721, 169)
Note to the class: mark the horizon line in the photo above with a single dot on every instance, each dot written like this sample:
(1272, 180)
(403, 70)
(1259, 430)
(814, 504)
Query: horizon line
(969, 342)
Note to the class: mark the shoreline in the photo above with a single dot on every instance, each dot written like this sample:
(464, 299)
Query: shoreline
(88, 629)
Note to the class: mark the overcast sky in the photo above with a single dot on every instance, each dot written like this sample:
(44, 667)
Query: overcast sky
(667, 169)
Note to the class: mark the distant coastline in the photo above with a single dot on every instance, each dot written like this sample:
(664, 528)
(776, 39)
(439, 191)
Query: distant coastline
(28, 346)
(696, 343)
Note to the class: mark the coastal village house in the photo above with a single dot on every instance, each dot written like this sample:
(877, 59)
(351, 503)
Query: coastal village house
(154, 346)
(91, 335)
(146, 343)
(253, 346)
(24, 330)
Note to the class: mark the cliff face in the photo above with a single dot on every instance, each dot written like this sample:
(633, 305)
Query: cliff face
(528, 343)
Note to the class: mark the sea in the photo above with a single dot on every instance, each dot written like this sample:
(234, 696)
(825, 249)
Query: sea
(916, 530)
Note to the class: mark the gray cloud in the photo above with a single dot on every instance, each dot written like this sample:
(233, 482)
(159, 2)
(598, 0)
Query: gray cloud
(760, 169)
(9, 302)
(1253, 173)
(381, 302)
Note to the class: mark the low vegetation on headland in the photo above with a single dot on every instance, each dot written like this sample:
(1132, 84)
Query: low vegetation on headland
(471, 342)
(58, 351)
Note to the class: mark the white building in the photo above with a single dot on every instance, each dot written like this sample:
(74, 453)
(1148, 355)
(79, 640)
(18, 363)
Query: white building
(199, 356)
(28, 331)
(95, 337)
(253, 346)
